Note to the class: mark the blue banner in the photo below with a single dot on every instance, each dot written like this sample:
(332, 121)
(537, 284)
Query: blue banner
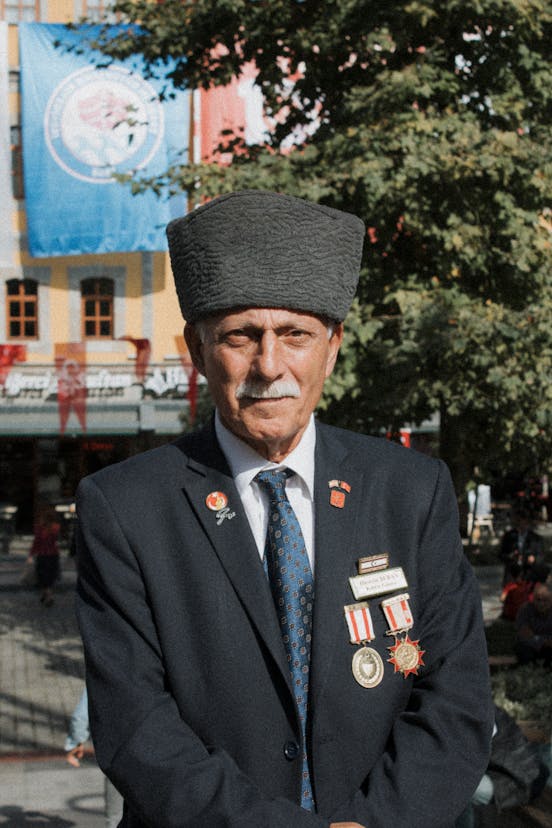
(81, 126)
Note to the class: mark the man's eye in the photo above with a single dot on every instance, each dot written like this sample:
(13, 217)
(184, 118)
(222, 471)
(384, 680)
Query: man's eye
(298, 335)
(237, 337)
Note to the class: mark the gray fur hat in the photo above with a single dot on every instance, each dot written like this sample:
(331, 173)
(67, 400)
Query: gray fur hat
(262, 249)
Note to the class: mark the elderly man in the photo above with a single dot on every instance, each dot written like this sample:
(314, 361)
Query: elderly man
(280, 628)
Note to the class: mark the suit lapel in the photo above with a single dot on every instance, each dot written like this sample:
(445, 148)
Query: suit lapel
(232, 539)
(335, 555)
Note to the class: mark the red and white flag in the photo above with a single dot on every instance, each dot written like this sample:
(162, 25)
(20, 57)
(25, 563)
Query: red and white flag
(231, 112)
(70, 358)
(8, 355)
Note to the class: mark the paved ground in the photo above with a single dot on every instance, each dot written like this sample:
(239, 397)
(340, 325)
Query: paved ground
(41, 677)
(41, 664)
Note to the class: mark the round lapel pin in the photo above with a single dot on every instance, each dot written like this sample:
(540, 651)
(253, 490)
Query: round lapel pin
(215, 501)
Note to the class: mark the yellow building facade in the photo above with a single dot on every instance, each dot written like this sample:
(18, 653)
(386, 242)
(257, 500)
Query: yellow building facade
(91, 300)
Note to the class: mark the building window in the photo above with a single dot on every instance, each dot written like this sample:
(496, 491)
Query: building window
(22, 304)
(19, 11)
(17, 163)
(97, 10)
(97, 308)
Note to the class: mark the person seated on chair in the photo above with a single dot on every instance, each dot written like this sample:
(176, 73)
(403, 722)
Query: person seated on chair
(516, 592)
(521, 544)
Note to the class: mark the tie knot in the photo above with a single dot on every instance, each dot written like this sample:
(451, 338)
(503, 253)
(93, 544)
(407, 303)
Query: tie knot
(274, 482)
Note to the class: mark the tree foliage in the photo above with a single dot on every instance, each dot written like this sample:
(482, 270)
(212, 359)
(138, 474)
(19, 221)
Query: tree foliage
(434, 126)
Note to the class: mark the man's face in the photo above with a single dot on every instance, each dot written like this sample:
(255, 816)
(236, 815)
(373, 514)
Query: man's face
(265, 369)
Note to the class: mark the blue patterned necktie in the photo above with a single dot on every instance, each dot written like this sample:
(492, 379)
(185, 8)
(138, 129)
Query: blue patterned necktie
(292, 588)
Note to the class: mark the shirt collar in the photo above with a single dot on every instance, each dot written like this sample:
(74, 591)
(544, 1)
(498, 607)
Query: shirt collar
(245, 462)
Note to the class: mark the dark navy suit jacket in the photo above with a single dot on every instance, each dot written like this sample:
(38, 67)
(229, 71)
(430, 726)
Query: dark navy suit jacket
(192, 712)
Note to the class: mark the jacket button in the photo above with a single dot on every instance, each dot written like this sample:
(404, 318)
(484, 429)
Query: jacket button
(291, 751)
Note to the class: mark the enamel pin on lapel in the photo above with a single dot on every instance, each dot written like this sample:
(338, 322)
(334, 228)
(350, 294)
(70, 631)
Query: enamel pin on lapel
(338, 489)
(218, 502)
(373, 563)
(367, 663)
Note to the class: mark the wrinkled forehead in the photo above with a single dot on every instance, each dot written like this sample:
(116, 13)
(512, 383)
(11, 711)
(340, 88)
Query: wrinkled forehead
(262, 319)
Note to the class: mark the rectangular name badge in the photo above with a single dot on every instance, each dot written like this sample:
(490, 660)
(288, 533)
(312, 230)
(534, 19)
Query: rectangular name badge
(378, 583)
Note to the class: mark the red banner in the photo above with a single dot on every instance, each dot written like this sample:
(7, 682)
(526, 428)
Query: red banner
(143, 353)
(70, 358)
(230, 112)
(191, 374)
(8, 355)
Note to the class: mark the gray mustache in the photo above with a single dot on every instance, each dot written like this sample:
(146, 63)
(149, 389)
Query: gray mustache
(262, 391)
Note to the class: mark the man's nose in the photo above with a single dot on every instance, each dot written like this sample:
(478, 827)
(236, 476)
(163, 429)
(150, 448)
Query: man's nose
(267, 363)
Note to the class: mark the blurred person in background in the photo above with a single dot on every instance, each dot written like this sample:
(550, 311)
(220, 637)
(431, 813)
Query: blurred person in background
(45, 552)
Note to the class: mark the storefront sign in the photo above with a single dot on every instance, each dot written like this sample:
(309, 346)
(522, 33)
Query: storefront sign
(172, 381)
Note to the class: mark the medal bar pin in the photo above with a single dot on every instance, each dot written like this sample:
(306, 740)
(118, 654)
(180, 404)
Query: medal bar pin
(398, 613)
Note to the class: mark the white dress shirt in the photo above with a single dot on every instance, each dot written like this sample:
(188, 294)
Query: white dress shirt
(245, 463)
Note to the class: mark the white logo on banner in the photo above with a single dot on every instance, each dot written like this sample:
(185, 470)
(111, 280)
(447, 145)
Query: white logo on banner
(103, 121)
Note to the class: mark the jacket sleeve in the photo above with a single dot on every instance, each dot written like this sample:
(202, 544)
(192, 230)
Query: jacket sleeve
(165, 773)
(439, 745)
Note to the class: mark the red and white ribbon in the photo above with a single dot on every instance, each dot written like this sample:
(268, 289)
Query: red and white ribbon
(397, 612)
(359, 622)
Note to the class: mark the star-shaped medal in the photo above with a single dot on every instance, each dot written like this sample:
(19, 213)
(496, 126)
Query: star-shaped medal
(406, 656)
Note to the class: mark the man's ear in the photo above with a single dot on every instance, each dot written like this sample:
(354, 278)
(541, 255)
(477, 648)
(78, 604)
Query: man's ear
(335, 344)
(195, 347)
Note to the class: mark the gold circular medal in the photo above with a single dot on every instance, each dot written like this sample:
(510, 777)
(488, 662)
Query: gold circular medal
(367, 667)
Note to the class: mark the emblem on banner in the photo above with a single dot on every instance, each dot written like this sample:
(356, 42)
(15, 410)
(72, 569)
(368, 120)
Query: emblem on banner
(406, 656)
(101, 122)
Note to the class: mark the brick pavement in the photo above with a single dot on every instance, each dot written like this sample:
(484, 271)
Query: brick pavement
(41, 662)
(41, 678)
